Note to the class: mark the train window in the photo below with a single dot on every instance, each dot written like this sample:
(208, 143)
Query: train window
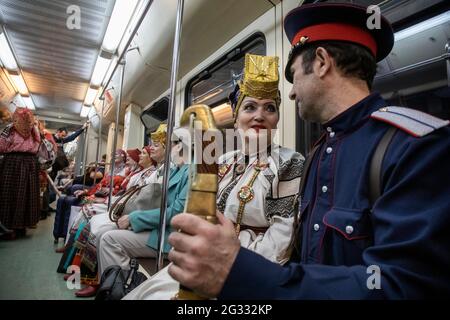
(409, 76)
(435, 102)
(213, 84)
(307, 133)
(153, 116)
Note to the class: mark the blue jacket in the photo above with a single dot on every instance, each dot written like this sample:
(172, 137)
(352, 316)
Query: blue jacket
(176, 198)
(342, 241)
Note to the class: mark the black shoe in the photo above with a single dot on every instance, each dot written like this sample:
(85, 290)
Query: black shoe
(8, 236)
(4, 230)
(21, 232)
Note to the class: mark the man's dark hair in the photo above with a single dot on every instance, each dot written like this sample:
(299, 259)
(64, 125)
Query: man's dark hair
(353, 60)
(62, 129)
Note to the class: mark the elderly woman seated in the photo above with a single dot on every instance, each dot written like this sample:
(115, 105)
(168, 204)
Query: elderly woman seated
(66, 202)
(119, 243)
(92, 220)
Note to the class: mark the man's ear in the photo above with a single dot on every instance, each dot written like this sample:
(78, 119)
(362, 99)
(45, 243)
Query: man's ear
(323, 62)
(177, 148)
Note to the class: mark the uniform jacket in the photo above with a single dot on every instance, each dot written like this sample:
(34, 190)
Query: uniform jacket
(343, 240)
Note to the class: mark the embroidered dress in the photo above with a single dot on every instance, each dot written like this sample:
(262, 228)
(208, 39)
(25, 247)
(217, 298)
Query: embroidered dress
(19, 175)
(266, 221)
(274, 196)
(76, 215)
(96, 223)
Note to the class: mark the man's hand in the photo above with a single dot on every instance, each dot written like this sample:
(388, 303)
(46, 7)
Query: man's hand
(202, 253)
(85, 125)
(123, 222)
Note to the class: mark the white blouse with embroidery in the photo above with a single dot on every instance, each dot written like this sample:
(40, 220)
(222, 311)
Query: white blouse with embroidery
(275, 192)
(272, 208)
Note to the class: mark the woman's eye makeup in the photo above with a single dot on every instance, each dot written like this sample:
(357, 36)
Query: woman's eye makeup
(249, 107)
(252, 107)
(271, 108)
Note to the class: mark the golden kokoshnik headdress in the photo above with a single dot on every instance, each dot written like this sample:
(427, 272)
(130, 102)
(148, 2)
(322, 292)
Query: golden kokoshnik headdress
(260, 80)
(160, 134)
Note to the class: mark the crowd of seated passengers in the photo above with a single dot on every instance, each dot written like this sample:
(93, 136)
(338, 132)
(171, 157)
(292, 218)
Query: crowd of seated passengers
(98, 192)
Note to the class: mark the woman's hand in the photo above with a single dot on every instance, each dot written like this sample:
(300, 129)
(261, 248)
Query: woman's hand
(123, 222)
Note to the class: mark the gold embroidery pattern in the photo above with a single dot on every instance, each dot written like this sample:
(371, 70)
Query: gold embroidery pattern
(260, 79)
(246, 194)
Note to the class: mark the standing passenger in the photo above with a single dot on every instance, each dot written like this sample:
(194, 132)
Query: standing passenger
(19, 173)
(60, 137)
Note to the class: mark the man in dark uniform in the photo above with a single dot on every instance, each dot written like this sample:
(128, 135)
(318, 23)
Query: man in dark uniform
(375, 210)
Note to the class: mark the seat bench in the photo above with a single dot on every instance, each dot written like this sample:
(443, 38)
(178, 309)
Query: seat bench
(149, 265)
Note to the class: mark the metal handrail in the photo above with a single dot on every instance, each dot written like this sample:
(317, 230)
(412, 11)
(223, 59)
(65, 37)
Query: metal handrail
(138, 24)
(113, 156)
(170, 123)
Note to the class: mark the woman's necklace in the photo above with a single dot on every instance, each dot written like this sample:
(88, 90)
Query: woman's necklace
(246, 194)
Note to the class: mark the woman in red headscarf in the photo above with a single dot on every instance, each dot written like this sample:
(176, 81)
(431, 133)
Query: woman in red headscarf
(19, 172)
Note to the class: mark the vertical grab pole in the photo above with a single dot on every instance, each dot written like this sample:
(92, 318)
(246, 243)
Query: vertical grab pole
(447, 51)
(170, 123)
(86, 140)
(113, 157)
(99, 141)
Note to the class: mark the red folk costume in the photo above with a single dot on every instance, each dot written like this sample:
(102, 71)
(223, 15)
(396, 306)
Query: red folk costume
(19, 170)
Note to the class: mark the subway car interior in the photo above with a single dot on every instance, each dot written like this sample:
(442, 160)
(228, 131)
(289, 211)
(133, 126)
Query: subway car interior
(97, 80)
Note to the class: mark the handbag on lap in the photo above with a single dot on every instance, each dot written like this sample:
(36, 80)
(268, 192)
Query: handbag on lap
(145, 197)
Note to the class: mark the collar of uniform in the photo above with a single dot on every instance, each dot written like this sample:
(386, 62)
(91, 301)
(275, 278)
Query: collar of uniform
(355, 114)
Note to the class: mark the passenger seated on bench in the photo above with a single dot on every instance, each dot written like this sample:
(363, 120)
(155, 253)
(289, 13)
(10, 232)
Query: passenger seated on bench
(264, 219)
(90, 178)
(116, 247)
(66, 202)
(100, 222)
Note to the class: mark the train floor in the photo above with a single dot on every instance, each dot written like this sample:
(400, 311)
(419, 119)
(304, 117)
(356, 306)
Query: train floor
(28, 267)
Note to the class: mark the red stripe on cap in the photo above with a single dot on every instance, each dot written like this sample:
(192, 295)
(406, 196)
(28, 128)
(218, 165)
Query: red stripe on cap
(337, 31)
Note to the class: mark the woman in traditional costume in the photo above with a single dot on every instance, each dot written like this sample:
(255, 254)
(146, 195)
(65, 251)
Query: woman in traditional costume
(258, 183)
(151, 160)
(19, 173)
